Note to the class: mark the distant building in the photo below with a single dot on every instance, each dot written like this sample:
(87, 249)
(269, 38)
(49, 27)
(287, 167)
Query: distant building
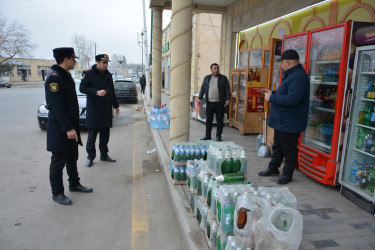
(32, 70)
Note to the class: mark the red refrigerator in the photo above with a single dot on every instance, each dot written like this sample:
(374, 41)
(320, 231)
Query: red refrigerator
(326, 57)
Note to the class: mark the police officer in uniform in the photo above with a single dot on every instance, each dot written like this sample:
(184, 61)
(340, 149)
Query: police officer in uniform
(97, 84)
(63, 134)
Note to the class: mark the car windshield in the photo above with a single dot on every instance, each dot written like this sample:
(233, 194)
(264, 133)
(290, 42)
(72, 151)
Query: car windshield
(79, 93)
(124, 84)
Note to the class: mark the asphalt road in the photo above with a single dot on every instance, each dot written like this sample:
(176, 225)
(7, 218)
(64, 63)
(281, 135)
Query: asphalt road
(130, 207)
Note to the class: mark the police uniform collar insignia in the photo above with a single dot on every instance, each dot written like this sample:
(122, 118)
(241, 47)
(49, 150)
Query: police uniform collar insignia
(54, 87)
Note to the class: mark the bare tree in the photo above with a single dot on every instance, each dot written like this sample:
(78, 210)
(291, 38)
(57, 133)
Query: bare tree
(14, 40)
(84, 48)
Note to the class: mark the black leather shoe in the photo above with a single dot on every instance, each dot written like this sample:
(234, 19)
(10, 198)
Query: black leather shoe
(80, 188)
(62, 199)
(206, 138)
(268, 172)
(218, 138)
(284, 180)
(89, 163)
(107, 158)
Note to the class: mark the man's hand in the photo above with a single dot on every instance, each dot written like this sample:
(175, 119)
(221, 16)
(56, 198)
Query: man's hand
(101, 92)
(199, 102)
(117, 111)
(267, 94)
(72, 135)
(226, 103)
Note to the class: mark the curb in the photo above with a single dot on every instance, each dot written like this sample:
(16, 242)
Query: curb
(194, 236)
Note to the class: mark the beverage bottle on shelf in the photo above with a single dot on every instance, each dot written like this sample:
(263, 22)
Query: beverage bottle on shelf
(372, 93)
(363, 184)
(364, 142)
(367, 116)
(367, 91)
(360, 117)
(372, 149)
(332, 98)
(372, 118)
(227, 214)
(360, 137)
(369, 142)
(353, 171)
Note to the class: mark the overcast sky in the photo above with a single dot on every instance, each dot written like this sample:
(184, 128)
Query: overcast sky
(112, 24)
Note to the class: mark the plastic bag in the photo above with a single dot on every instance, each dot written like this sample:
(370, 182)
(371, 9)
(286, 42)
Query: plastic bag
(248, 211)
(279, 195)
(280, 227)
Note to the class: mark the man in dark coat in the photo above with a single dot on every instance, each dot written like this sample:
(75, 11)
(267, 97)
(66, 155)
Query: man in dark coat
(142, 82)
(97, 84)
(215, 88)
(288, 116)
(63, 134)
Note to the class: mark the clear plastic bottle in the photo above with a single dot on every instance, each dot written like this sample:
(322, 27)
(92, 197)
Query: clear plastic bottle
(227, 214)
(353, 171)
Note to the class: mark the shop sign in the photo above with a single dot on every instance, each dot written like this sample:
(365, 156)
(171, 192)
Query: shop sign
(165, 47)
(365, 35)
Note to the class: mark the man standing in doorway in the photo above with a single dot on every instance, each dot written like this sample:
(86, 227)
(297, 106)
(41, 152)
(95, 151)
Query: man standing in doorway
(63, 136)
(215, 88)
(142, 82)
(288, 116)
(97, 84)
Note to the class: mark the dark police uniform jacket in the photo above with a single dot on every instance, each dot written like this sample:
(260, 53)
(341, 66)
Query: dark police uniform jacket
(99, 108)
(222, 84)
(63, 115)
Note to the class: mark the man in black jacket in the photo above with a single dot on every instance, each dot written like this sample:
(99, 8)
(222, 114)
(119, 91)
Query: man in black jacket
(142, 82)
(97, 84)
(215, 88)
(63, 134)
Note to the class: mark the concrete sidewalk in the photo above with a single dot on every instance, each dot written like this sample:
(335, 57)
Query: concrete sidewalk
(330, 220)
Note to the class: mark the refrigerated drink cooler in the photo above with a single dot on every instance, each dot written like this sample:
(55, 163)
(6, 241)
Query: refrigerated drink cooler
(357, 174)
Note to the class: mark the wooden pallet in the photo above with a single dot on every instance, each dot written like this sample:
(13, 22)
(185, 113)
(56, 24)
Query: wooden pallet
(178, 182)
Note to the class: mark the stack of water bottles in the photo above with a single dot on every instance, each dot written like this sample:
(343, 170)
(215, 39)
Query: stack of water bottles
(160, 117)
(226, 158)
(182, 152)
(232, 213)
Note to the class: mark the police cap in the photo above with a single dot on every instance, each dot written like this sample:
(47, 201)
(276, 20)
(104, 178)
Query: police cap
(64, 52)
(102, 57)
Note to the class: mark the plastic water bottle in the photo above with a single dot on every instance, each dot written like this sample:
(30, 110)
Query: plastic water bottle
(227, 215)
(167, 120)
(353, 171)
(259, 140)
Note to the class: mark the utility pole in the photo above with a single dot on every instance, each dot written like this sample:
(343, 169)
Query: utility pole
(148, 101)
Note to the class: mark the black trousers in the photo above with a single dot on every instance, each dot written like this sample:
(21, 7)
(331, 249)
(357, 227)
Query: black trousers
(217, 109)
(103, 142)
(58, 162)
(143, 89)
(284, 146)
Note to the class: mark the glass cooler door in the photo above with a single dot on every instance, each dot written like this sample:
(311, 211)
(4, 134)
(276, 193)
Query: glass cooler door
(324, 68)
(358, 166)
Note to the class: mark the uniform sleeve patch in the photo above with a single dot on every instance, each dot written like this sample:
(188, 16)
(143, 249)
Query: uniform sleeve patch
(54, 87)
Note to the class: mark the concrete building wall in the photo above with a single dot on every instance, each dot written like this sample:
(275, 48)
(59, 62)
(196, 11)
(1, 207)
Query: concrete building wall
(206, 46)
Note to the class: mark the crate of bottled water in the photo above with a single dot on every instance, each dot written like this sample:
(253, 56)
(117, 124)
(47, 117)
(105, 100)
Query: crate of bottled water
(160, 117)
(225, 158)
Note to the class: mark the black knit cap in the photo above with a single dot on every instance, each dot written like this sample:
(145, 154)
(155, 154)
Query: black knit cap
(289, 54)
(64, 52)
(102, 57)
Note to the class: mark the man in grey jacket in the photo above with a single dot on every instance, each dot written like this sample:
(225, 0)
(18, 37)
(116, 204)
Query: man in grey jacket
(215, 88)
(288, 116)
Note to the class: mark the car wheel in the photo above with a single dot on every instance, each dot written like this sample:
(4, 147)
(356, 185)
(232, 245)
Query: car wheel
(42, 127)
(8, 86)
